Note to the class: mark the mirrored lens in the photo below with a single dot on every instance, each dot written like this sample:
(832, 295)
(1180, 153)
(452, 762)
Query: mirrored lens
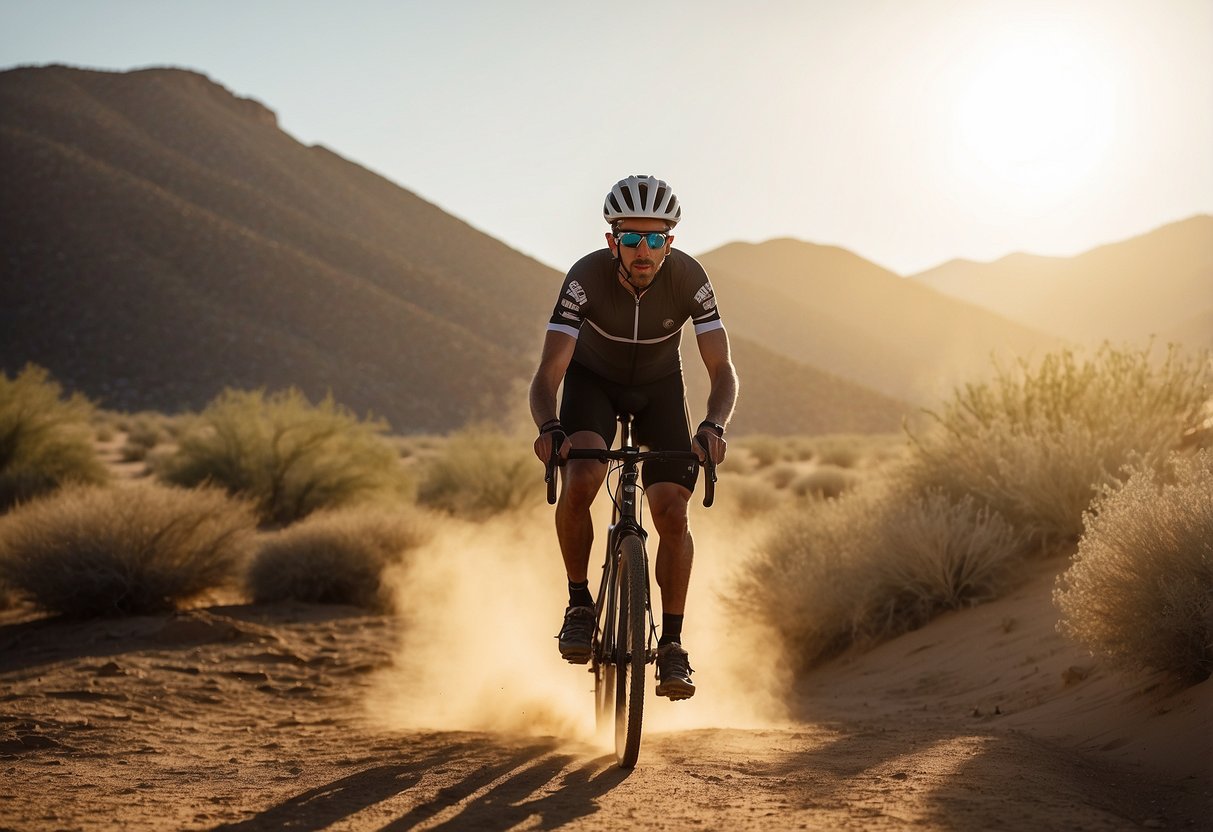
(632, 239)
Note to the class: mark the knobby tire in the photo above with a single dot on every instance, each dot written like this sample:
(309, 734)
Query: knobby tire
(631, 650)
(604, 666)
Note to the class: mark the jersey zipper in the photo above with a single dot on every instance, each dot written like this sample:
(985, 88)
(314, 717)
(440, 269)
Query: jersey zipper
(635, 341)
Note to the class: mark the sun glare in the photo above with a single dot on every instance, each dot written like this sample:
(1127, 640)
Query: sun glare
(1035, 116)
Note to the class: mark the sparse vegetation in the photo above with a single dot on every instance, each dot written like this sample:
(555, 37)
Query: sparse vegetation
(46, 440)
(480, 472)
(871, 565)
(92, 551)
(1140, 590)
(1009, 468)
(144, 431)
(1037, 443)
(336, 557)
(289, 457)
(824, 481)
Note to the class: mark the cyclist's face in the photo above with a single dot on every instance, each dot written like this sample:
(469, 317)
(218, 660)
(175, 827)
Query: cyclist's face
(641, 261)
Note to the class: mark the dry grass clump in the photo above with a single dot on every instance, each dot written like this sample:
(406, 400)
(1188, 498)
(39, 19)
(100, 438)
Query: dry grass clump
(336, 557)
(1140, 590)
(1038, 442)
(480, 472)
(872, 564)
(45, 439)
(757, 453)
(750, 495)
(90, 551)
(824, 481)
(288, 456)
(144, 432)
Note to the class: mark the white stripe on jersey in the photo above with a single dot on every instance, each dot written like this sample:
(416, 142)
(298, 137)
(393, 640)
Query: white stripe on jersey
(606, 334)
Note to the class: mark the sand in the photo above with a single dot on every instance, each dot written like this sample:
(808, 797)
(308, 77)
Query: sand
(255, 717)
(298, 716)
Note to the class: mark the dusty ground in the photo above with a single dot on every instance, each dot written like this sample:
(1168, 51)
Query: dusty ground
(294, 717)
(252, 718)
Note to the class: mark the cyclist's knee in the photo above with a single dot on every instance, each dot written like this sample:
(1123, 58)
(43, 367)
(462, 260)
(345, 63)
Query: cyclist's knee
(582, 482)
(668, 505)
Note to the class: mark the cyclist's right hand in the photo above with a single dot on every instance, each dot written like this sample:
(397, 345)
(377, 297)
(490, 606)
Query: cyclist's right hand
(551, 442)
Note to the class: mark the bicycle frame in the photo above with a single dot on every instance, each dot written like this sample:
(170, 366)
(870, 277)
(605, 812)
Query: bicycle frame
(607, 657)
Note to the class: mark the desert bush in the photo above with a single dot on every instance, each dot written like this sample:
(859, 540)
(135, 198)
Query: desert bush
(872, 564)
(144, 432)
(824, 481)
(783, 474)
(1038, 442)
(479, 472)
(1140, 590)
(89, 550)
(46, 440)
(337, 557)
(763, 450)
(288, 456)
(750, 495)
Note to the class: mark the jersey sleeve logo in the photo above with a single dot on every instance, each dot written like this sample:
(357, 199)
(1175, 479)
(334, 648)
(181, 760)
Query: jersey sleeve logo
(568, 304)
(705, 297)
(576, 292)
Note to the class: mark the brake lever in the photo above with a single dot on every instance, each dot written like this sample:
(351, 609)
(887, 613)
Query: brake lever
(709, 468)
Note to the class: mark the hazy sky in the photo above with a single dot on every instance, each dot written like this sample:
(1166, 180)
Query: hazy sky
(909, 131)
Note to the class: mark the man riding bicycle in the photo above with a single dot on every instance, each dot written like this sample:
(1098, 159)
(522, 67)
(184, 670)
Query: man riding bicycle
(614, 337)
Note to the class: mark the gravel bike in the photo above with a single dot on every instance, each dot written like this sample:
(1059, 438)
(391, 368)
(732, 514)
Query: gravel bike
(625, 633)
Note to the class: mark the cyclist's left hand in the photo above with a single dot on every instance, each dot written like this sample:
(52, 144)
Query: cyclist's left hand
(715, 445)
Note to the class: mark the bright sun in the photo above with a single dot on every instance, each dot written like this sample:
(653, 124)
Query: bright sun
(1035, 117)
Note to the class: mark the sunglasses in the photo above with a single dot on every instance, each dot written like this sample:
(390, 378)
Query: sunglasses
(631, 239)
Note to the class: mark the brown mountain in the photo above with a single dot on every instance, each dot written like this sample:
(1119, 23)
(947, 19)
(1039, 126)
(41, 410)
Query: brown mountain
(163, 239)
(1159, 283)
(829, 308)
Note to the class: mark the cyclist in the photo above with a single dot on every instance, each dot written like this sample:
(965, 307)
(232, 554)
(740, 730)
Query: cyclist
(614, 337)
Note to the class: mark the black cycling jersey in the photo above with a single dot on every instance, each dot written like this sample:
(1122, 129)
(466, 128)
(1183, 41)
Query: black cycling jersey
(628, 339)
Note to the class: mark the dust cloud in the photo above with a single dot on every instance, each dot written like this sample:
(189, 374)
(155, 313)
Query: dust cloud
(481, 605)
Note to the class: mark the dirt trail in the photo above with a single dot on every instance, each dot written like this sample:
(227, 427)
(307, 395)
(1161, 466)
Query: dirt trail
(298, 716)
(249, 718)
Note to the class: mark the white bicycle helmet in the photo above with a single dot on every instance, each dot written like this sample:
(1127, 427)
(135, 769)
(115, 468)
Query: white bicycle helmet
(642, 197)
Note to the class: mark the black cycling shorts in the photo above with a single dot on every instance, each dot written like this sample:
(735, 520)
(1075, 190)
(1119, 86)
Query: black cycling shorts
(590, 402)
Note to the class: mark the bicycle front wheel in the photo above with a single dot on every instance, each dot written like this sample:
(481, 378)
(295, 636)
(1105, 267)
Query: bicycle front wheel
(631, 649)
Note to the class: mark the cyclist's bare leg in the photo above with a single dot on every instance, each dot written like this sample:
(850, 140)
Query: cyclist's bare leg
(676, 550)
(580, 481)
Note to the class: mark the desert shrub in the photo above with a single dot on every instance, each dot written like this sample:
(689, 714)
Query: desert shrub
(46, 440)
(144, 432)
(104, 425)
(89, 551)
(872, 564)
(783, 474)
(1140, 590)
(1038, 442)
(288, 456)
(763, 450)
(824, 481)
(479, 472)
(336, 557)
(750, 495)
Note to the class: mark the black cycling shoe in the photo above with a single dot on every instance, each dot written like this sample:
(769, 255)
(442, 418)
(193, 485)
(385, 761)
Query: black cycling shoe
(577, 634)
(674, 672)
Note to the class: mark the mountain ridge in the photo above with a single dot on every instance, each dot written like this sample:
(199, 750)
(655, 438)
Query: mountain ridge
(1127, 290)
(166, 239)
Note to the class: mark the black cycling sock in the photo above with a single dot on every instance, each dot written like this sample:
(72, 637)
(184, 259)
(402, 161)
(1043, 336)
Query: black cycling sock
(671, 629)
(579, 595)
